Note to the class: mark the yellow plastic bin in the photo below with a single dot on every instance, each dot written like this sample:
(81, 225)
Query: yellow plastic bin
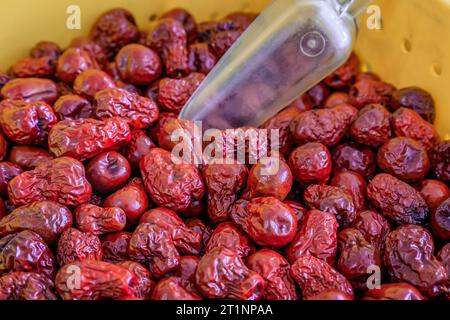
(410, 49)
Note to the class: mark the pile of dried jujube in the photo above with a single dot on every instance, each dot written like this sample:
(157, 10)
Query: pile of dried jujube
(93, 207)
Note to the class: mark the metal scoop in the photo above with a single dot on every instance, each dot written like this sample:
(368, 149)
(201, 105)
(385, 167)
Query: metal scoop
(289, 48)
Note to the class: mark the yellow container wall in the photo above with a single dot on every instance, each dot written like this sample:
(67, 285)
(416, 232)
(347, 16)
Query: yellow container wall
(411, 49)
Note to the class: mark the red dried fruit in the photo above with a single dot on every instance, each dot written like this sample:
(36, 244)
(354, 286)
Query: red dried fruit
(434, 192)
(408, 123)
(47, 218)
(93, 219)
(353, 183)
(108, 172)
(444, 257)
(416, 99)
(327, 126)
(333, 295)
(404, 158)
(372, 127)
(46, 49)
(440, 160)
(115, 246)
(397, 200)
(274, 268)
(26, 123)
(374, 227)
(138, 147)
(201, 228)
(174, 93)
(140, 112)
(85, 138)
(345, 75)
(409, 257)
(76, 245)
(221, 274)
(317, 236)
(337, 98)
(132, 199)
(315, 276)
(20, 285)
(114, 29)
(333, 200)
(227, 235)
(3, 146)
(91, 81)
(26, 251)
(185, 240)
(28, 157)
(8, 171)
(185, 17)
(171, 185)
(440, 221)
(267, 221)
(353, 157)
(169, 40)
(73, 107)
(30, 90)
(73, 62)
(369, 91)
(143, 276)
(96, 280)
(356, 257)
(61, 180)
(174, 288)
(201, 58)
(87, 44)
(299, 210)
(394, 291)
(153, 245)
(311, 163)
(43, 67)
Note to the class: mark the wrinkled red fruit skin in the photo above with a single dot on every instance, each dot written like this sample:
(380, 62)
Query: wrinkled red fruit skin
(353, 183)
(174, 186)
(200, 227)
(185, 17)
(3, 147)
(221, 274)
(8, 171)
(85, 138)
(138, 147)
(299, 210)
(371, 91)
(408, 123)
(28, 157)
(174, 288)
(326, 126)
(76, 245)
(227, 235)
(270, 177)
(97, 220)
(73, 62)
(440, 221)
(315, 276)
(143, 276)
(317, 236)
(345, 75)
(185, 240)
(444, 257)
(409, 257)
(153, 245)
(115, 29)
(86, 43)
(394, 291)
(174, 93)
(223, 183)
(169, 40)
(372, 127)
(26, 123)
(434, 192)
(201, 58)
(138, 64)
(353, 157)
(404, 158)
(337, 98)
(33, 67)
(47, 218)
(274, 268)
(108, 172)
(62, 180)
(356, 257)
(374, 227)
(115, 246)
(397, 200)
(26, 251)
(267, 221)
(30, 90)
(416, 99)
(98, 280)
(311, 163)
(140, 112)
(332, 295)
(132, 199)
(332, 200)
(91, 81)
(20, 285)
(73, 107)
(440, 160)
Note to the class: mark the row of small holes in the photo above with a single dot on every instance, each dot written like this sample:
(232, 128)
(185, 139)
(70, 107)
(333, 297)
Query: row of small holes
(436, 67)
